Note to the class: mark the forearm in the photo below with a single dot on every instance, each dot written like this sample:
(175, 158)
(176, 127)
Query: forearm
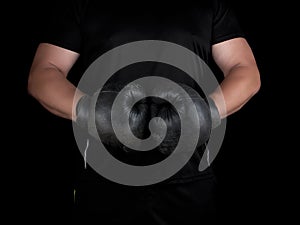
(51, 88)
(239, 85)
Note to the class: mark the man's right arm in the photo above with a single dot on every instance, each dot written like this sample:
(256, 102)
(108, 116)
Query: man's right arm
(48, 81)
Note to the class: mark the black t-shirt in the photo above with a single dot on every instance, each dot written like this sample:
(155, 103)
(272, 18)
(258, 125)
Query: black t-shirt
(91, 28)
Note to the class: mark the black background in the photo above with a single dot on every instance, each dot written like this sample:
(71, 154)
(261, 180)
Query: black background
(253, 168)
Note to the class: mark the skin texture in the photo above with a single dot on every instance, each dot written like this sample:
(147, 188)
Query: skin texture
(241, 75)
(48, 81)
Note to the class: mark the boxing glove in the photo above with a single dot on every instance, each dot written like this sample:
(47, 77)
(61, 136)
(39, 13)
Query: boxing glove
(207, 113)
(166, 105)
(101, 105)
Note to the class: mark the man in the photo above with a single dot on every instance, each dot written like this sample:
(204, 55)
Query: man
(87, 30)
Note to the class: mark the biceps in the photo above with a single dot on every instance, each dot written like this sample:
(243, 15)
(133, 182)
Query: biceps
(232, 53)
(51, 56)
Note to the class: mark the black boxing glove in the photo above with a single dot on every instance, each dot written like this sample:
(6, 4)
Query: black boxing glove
(208, 114)
(214, 113)
(167, 105)
(101, 105)
(83, 114)
(136, 114)
(83, 111)
(143, 111)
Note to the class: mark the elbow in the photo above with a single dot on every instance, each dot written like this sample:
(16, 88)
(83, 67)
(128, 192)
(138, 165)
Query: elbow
(256, 83)
(30, 86)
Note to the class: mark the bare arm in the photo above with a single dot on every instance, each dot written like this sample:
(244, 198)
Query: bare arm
(241, 75)
(48, 79)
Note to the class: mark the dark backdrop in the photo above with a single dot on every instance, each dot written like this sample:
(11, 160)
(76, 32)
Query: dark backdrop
(253, 175)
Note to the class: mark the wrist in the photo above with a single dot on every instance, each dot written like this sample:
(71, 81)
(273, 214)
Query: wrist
(214, 113)
(82, 111)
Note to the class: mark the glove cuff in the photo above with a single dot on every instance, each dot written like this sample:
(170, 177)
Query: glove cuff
(214, 113)
(82, 111)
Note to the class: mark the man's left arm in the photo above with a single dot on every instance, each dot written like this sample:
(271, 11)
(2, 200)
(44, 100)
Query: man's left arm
(241, 75)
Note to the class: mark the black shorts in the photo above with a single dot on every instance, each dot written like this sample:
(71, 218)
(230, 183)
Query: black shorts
(189, 202)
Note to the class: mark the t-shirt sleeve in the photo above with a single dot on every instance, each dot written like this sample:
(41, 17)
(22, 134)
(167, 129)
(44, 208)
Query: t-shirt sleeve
(62, 28)
(225, 23)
